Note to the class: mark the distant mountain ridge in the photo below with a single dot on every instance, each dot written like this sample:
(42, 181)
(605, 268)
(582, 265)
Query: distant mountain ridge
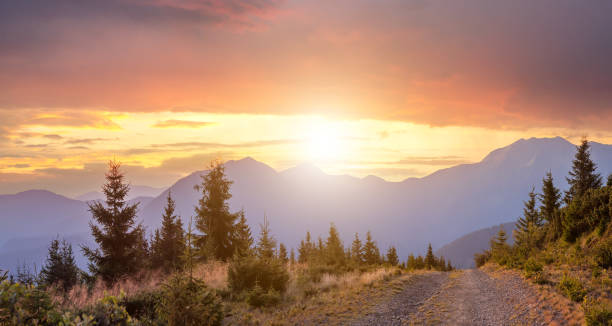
(438, 208)
(461, 251)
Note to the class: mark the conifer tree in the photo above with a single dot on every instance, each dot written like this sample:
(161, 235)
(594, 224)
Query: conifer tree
(527, 226)
(392, 257)
(60, 268)
(282, 253)
(371, 254)
(121, 242)
(334, 250)
(411, 262)
(430, 259)
(441, 264)
(357, 250)
(449, 266)
(420, 262)
(213, 218)
(549, 209)
(292, 257)
(266, 243)
(609, 181)
(242, 239)
(169, 242)
(582, 177)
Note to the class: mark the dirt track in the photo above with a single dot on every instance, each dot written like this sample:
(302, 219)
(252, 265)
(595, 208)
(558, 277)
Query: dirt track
(468, 297)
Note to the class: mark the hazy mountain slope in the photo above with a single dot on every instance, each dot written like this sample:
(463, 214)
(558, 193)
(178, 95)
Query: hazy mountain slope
(461, 251)
(29, 220)
(438, 208)
(135, 192)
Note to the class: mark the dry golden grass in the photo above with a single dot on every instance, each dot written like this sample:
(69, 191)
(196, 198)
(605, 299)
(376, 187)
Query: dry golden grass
(335, 301)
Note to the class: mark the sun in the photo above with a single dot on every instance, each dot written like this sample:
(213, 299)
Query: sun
(324, 142)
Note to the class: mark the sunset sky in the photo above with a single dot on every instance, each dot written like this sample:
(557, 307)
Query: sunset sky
(396, 89)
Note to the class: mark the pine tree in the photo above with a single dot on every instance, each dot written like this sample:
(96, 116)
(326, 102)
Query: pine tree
(549, 209)
(430, 259)
(441, 264)
(242, 239)
(357, 250)
(411, 262)
(122, 246)
(282, 253)
(609, 181)
(266, 243)
(169, 242)
(60, 268)
(292, 257)
(420, 262)
(449, 266)
(392, 257)
(528, 225)
(213, 218)
(371, 254)
(334, 250)
(582, 177)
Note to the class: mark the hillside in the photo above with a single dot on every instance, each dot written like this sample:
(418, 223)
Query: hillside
(438, 208)
(461, 251)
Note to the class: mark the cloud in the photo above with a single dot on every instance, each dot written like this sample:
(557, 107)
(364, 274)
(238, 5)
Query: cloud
(433, 161)
(181, 124)
(206, 145)
(87, 140)
(53, 136)
(496, 64)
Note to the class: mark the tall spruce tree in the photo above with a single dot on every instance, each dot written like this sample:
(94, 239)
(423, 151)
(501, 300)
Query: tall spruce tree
(169, 242)
(60, 268)
(529, 223)
(121, 242)
(371, 254)
(213, 218)
(357, 250)
(582, 177)
(430, 259)
(392, 257)
(266, 243)
(242, 240)
(334, 250)
(292, 257)
(282, 253)
(550, 199)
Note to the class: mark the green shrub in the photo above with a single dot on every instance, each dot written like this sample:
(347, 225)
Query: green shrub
(572, 288)
(244, 273)
(531, 267)
(22, 304)
(481, 259)
(258, 297)
(188, 302)
(603, 254)
(142, 305)
(596, 313)
(108, 312)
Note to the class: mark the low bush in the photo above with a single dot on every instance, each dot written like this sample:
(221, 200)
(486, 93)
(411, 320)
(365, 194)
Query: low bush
(572, 288)
(142, 305)
(258, 297)
(532, 267)
(188, 302)
(22, 304)
(481, 259)
(603, 254)
(597, 313)
(109, 312)
(247, 272)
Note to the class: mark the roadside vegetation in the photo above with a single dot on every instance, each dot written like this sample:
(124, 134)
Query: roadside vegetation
(209, 271)
(565, 242)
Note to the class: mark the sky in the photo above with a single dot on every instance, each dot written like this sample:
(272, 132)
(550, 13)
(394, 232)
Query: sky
(393, 88)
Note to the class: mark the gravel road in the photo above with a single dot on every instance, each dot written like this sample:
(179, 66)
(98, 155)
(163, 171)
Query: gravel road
(468, 297)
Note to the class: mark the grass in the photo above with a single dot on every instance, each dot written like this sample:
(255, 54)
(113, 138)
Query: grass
(335, 299)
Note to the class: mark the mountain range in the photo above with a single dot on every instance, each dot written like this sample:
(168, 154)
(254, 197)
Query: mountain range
(410, 214)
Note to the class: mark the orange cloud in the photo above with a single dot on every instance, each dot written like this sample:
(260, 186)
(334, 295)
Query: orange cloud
(181, 124)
